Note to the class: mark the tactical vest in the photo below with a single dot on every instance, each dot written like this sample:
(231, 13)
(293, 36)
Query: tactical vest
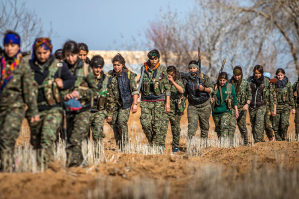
(49, 86)
(283, 95)
(242, 94)
(195, 96)
(153, 86)
(80, 75)
(100, 99)
(123, 87)
(229, 98)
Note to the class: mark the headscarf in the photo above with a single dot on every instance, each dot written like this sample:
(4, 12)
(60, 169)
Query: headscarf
(7, 73)
(12, 39)
(193, 65)
(258, 81)
(44, 42)
(282, 83)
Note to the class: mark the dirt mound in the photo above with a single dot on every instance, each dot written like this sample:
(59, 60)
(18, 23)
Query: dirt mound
(131, 175)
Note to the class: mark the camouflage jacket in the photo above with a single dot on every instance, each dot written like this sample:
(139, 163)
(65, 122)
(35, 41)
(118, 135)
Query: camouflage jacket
(85, 82)
(174, 94)
(285, 95)
(20, 89)
(244, 92)
(114, 100)
(100, 97)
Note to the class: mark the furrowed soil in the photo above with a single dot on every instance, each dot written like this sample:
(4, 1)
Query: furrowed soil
(169, 173)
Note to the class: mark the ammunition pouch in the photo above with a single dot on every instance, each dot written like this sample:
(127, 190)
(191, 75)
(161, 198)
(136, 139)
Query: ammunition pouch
(101, 102)
(181, 104)
(51, 92)
(229, 103)
(157, 88)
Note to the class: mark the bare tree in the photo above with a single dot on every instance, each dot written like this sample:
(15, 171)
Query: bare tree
(16, 17)
(277, 17)
(245, 33)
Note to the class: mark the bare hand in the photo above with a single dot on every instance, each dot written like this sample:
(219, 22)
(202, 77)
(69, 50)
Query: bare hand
(109, 119)
(170, 78)
(167, 108)
(201, 88)
(76, 94)
(293, 111)
(273, 113)
(295, 93)
(212, 100)
(36, 118)
(59, 83)
(245, 107)
(134, 108)
(237, 114)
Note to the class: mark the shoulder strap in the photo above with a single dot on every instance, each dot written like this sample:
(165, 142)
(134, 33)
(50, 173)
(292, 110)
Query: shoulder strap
(229, 88)
(59, 68)
(85, 69)
(266, 82)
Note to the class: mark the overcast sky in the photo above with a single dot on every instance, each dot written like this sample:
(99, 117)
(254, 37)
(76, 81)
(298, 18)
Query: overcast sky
(100, 23)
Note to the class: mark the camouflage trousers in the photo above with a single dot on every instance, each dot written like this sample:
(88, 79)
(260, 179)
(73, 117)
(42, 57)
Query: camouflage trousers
(154, 122)
(222, 123)
(119, 124)
(280, 122)
(77, 131)
(241, 121)
(10, 125)
(296, 120)
(175, 119)
(44, 134)
(268, 124)
(96, 125)
(199, 113)
(257, 116)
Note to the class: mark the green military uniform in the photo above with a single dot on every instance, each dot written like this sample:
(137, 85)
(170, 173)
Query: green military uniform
(120, 115)
(78, 123)
(243, 93)
(18, 91)
(199, 112)
(154, 120)
(296, 102)
(177, 102)
(44, 133)
(222, 112)
(98, 112)
(285, 99)
(257, 114)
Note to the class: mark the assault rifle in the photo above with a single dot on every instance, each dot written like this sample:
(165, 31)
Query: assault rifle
(222, 66)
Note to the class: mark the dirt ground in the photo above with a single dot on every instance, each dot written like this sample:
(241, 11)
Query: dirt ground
(176, 171)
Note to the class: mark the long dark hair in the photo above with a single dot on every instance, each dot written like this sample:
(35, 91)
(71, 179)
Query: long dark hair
(172, 69)
(70, 46)
(280, 70)
(258, 68)
(83, 46)
(118, 57)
